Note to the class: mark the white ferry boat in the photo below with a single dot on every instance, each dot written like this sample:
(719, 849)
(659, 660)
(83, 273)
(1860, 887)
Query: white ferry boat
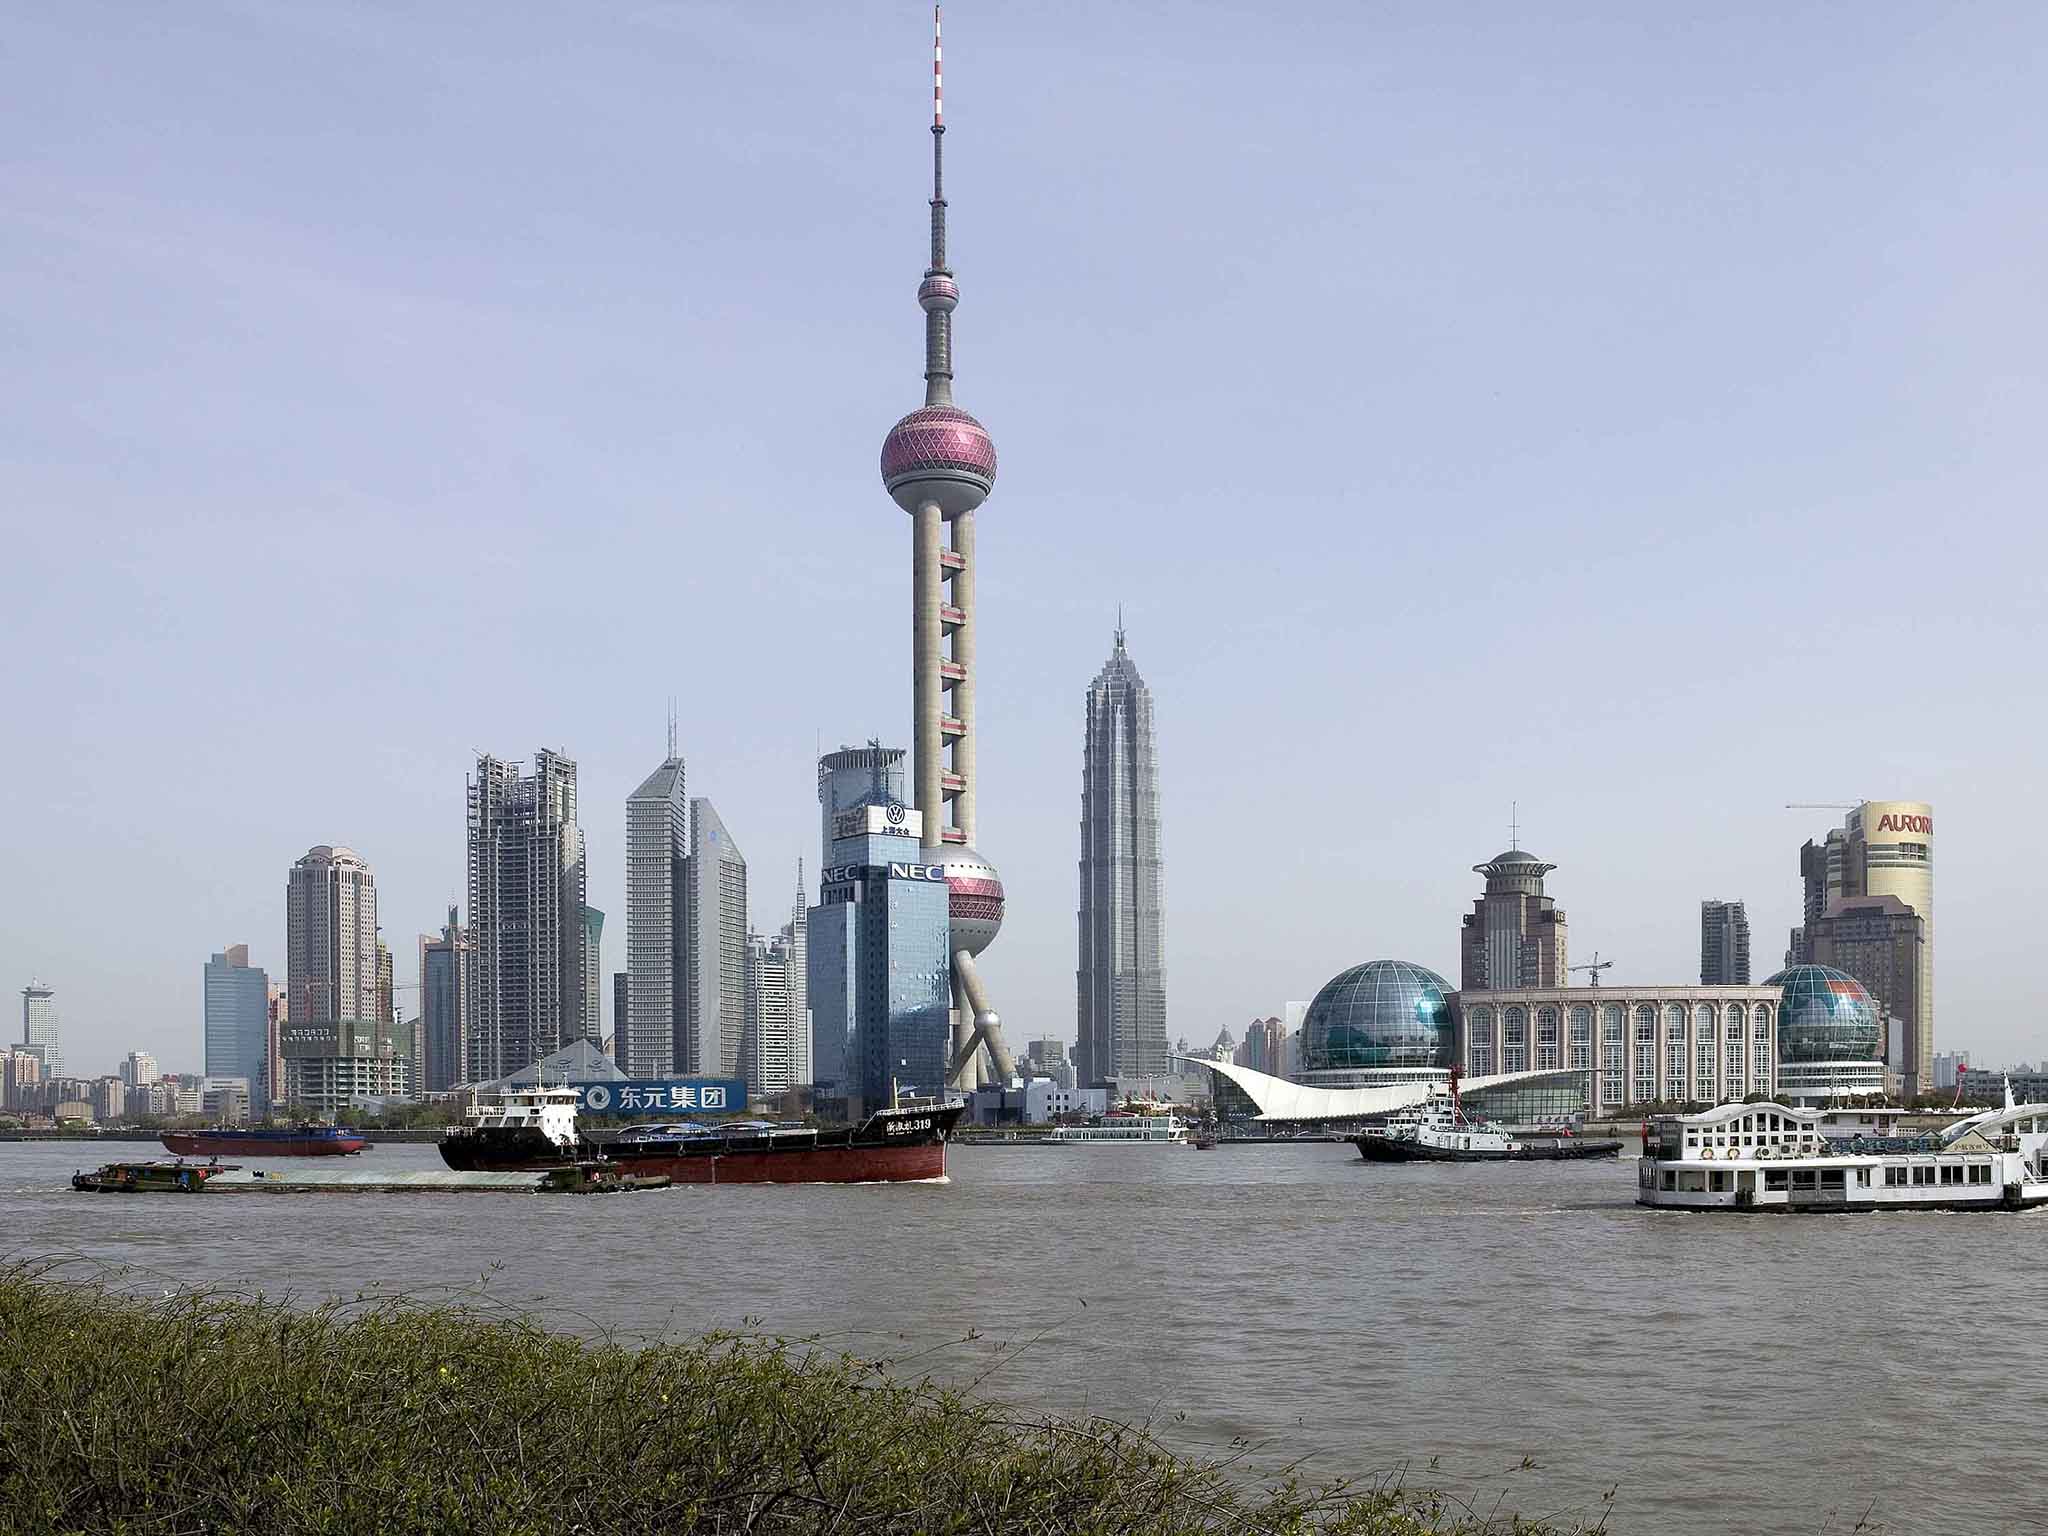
(1122, 1130)
(1766, 1157)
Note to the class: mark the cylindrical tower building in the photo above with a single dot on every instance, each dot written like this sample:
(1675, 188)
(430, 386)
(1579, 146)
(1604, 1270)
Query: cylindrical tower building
(939, 465)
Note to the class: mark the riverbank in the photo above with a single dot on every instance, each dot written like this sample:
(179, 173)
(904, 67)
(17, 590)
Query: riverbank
(208, 1412)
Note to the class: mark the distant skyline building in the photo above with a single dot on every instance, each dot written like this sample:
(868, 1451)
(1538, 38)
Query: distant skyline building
(716, 975)
(1120, 980)
(531, 983)
(338, 1043)
(878, 942)
(331, 972)
(1514, 936)
(236, 1003)
(1882, 942)
(769, 1054)
(138, 1069)
(1724, 944)
(39, 1027)
(650, 1033)
(939, 465)
(1882, 848)
(444, 1006)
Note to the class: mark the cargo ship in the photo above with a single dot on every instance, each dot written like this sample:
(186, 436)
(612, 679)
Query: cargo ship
(900, 1145)
(524, 1128)
(266, 1141)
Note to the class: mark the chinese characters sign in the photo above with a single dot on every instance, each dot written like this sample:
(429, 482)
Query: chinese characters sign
(707, 1095)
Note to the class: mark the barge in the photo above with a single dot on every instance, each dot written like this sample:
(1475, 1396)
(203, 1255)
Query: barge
(265, 1141)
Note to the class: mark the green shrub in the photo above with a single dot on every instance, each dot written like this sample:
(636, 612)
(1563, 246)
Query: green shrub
(193, 1413)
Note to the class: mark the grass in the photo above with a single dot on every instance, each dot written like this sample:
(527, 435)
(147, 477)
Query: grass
(230, 1416)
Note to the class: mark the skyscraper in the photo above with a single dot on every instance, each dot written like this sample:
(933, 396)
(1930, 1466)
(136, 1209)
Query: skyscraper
(1882, 848)
(331, 971)
(797, 932)
(768, 1058)
(237, 1011)
(1121, 978)
(530, 952)
(716, 978)
(1724, 944)
(444, 1005)
(338, 1042)
(39, 1027)
(649, 1034)
(593, 973)
(939, 465)
(1514, 936)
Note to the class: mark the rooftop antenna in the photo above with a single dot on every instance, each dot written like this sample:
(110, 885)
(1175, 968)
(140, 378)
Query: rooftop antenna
(1514, 824)
(1119, 626)
(671, 727)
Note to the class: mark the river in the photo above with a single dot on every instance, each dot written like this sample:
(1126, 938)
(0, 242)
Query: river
(1520, 1334)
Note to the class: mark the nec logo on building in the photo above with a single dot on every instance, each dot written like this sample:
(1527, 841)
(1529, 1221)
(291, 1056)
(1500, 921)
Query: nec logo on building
(1924, 825)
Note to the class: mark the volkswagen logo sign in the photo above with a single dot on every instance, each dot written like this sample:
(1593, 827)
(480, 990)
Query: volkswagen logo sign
(895, 814)
(597, 1096)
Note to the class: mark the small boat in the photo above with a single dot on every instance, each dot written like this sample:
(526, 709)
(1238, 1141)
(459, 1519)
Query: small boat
(265, 1141)
(1116, 1130)
(598, 1179)
(1205, 1141)
(152, 1176)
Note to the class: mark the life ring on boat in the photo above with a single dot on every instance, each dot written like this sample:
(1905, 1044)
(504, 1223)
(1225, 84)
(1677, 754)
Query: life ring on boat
(1707, 1153)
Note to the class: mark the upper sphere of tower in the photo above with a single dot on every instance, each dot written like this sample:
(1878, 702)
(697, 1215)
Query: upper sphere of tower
(938, 291)
(941, 454)
(974, 899)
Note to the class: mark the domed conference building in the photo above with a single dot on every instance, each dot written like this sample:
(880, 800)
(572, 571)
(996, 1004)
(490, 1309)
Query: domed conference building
(1830, 1043)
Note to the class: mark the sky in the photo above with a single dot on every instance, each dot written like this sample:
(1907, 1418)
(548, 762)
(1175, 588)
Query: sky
(1630, 414)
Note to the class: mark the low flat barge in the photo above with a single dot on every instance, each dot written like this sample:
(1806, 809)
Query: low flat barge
(891, 1146)
(152, 1176)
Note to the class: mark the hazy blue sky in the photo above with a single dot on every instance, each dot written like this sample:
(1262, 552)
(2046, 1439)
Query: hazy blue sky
(1632, 410)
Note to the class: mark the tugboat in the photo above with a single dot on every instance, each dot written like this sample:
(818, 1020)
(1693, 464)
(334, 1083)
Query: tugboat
(525, 1128)
(149, 1177)
(1438, 1132)
(266, 1141)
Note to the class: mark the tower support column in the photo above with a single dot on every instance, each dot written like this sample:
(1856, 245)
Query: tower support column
(963, 690)
(926, 648)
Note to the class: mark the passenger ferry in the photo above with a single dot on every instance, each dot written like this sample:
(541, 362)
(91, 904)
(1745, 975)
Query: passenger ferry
(1119, 1130)
(1766, 1157)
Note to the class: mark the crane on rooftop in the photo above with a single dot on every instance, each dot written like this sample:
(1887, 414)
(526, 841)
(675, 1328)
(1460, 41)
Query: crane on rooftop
(1596, 968)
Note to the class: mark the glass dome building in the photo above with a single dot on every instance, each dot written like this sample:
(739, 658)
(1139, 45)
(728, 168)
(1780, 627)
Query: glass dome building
(1830, 1038)
(1382, 1022)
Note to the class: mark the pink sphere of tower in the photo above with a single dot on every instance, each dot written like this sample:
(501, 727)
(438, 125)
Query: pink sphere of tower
(974, 899)
(939, 453)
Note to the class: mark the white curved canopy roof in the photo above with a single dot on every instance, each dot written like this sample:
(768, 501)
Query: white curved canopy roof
(1278, 1099)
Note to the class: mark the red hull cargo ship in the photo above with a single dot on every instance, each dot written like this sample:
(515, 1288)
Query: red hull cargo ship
(890, 1146)
(266, 1141)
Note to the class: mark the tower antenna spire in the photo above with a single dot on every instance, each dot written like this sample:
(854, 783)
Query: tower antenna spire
(939, 293)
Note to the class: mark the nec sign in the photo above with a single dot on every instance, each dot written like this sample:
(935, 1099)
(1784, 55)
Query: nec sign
(1924, 825)
(843, 874)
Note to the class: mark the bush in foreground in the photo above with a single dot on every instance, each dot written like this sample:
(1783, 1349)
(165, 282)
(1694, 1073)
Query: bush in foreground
(204, 1413)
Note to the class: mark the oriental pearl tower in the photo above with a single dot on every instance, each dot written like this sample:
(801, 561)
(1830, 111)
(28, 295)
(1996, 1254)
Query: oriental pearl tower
(939, 464)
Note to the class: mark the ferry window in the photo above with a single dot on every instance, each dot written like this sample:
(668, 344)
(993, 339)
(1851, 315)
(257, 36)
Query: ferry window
(1863, 1177)
(1951, 1175)
(1895, 1175)
(1832, 1178)
(1802, 1179)
(1923, 1175)
(1774, 1178)
(1980, 1174)
(1671, 1181)
(1720, 1184)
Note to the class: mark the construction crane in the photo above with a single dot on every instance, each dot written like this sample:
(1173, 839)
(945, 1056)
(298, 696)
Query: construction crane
(1596, 968)
(1822, 805)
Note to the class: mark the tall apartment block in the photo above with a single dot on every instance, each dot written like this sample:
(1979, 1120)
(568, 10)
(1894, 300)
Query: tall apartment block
(649, 1032)
(531, 984)
(1724, 944)
(1514, 936)
(338, 1043)
(1882, 848)
(716, 979)
(236, 1000)
(768, 1056)
(444, 1005)
(1120, 981)
(39, 1032)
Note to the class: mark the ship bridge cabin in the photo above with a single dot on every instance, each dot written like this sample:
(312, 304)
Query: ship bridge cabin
(1766, 1156)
